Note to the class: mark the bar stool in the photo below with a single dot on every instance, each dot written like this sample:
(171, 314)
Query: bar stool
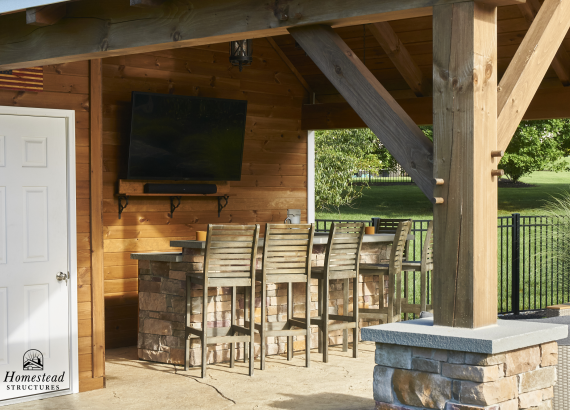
(287, 254)
(341, 262)
(229, 261)
(391, 313)
(423, 266)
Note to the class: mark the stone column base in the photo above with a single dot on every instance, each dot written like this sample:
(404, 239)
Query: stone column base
(461, 375)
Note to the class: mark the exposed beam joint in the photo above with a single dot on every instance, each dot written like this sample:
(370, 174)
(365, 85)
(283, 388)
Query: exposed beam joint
(397, 131)
(45, 15)
(95, 29)
(561, 61)
(529, 65)
(401, 58)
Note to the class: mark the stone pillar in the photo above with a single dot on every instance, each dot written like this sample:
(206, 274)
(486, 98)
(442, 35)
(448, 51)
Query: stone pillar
(509, 366)
(414, 377)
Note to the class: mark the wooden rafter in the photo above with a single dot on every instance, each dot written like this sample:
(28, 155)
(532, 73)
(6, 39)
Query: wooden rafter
(45, 15)
(401, 58)
(103, 28)
(381, 113)
(292, 68)
(529, 65)
(561, 61)
(147, 3)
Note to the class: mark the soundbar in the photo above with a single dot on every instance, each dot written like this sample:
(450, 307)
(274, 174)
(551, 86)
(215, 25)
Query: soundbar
(180, 189)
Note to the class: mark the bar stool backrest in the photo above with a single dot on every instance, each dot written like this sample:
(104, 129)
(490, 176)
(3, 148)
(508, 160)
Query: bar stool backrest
(231, 251)
(427, 251)
(343, 250)
(382, 225)
(287, 250)
(399, 246)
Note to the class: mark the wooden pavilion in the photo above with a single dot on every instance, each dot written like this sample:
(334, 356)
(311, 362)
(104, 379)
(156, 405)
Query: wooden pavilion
(473, 69)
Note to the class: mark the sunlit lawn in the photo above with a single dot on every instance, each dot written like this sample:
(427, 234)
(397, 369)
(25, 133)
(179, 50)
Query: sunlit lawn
(407, 201)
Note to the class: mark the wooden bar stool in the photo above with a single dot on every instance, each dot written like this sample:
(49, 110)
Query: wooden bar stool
(341, 262)
(391, 313)
(229, 261)
(287, 254)
(423, 266)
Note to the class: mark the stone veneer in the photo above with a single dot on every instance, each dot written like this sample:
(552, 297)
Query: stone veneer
(407, 378)
(162, 306)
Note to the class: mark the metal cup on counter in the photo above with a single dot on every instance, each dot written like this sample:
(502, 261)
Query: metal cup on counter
(293, 216)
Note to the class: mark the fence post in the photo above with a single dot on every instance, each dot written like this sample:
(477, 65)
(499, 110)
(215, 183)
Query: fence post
(515, 263)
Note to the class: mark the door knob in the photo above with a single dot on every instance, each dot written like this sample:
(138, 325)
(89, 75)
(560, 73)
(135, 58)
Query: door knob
(62, 276)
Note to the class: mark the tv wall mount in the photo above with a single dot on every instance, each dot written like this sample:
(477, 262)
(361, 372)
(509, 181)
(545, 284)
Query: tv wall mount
(174, 203)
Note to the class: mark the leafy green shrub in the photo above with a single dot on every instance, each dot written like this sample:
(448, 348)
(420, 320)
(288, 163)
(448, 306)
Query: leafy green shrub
(536, 146)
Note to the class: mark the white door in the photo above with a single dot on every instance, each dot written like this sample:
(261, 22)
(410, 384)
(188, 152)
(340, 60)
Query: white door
(35, 345)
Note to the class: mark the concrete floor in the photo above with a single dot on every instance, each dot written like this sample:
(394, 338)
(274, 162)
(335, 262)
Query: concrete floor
(342, 384)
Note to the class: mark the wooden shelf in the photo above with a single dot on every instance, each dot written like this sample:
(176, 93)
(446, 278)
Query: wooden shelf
(128, 188)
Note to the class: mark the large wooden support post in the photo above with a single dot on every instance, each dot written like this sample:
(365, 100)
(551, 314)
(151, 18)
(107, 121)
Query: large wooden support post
(465, 133)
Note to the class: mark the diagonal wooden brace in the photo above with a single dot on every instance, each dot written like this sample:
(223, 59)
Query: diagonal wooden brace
(377, 108)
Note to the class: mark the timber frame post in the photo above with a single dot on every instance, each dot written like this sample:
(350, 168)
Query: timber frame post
(465, 133)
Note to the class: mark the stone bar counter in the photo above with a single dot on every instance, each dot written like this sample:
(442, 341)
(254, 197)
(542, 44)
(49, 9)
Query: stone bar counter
(508, 366)
(162, 300)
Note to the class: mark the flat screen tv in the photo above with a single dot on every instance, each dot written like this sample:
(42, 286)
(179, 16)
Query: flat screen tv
(186, 138)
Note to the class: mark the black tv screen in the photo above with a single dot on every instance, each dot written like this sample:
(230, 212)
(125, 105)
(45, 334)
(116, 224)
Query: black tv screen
(186, 138)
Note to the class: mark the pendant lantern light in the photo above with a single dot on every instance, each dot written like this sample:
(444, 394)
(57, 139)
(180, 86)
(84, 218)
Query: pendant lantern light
(241, 53)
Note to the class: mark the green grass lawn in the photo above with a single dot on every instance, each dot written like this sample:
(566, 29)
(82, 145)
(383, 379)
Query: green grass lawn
(407, 201)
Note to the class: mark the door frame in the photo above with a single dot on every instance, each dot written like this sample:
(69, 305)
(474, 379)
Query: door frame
(69, 116)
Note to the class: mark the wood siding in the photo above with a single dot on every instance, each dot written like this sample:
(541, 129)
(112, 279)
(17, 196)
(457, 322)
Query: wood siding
(67, 87)
(274, 163)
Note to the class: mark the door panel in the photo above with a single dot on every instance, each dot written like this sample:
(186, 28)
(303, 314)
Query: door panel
(34, 305)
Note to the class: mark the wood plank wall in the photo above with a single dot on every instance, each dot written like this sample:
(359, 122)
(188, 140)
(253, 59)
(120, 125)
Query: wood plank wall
(66, 86)
(274, 164)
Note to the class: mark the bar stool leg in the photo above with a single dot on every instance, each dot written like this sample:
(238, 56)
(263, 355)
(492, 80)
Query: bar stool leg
(188, 322)
(233, 322)
(245, 312)
(263, 341)
(308, 318)
(325, 320)
(355, 331)
(345, 286)
(252, 328)
(204, 330)
(289, 316)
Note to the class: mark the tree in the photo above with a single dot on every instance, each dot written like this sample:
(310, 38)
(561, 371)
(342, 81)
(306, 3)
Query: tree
(537, 145)
(339, 155)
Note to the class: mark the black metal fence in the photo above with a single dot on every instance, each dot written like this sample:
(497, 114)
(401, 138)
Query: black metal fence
(529, 278)
(383, 176)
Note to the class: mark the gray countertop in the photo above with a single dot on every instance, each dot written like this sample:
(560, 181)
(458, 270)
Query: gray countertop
(319, 239)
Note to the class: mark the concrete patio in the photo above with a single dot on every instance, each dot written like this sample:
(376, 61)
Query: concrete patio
(344, 383)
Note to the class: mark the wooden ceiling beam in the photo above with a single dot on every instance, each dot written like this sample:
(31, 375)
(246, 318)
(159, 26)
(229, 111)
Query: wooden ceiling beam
(548, 103)
(46, 15)
(397, 131)
(292, 68)
(401, 58)
(529, 65)
(561, 61)
(105, 28)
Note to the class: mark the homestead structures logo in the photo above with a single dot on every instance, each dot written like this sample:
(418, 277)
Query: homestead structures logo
(34, 378)
(33, 360)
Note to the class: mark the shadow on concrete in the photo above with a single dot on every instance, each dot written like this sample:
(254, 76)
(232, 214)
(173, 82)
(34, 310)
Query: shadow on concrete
(326, 401)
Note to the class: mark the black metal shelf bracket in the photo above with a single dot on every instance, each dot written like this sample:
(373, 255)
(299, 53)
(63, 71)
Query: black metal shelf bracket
(220, 205)
(121, 206)
(173, 206)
